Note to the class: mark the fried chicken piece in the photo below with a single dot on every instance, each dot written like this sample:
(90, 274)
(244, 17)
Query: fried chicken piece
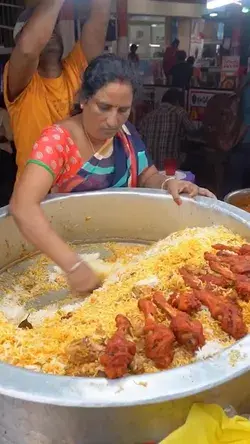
(222, 257)
(186, 302)
(159, 339)
(242, 287)
(83, 351)
(189, 279)
(232, 321)
(211, 257)
(245, 250)
(227, 258)
(119, 351)
(212, 279)
(241, 267)
(221, 247)
(187, 331)
(222, 270)
(225, 311)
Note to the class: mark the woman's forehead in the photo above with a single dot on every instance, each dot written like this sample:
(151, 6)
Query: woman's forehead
(115, 92)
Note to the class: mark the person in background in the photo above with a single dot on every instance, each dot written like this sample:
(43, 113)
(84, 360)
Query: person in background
(132, 56)
(237, 167)
(93, 150)
(39, 85)
(163, 129)
(181, 73)
(169, 58)
(196, 73)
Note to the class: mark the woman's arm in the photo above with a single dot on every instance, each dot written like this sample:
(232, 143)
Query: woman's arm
(151, 178)
(25, 206)
(30, 190)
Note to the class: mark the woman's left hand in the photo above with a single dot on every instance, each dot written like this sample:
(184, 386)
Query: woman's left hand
(177, 187)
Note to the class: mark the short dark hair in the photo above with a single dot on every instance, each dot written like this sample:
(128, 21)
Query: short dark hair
(175, 42)
(133, 47)
(191, 60)
(172, 96)
(105, 69)
(181, 56)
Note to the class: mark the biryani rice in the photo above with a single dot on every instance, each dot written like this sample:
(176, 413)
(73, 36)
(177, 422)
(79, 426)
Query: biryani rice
(44, 347)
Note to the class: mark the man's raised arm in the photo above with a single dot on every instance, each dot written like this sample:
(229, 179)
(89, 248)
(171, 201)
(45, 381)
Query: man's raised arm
(95, 29)
(29, 44)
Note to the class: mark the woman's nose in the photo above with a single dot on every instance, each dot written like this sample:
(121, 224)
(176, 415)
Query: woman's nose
(112, 119)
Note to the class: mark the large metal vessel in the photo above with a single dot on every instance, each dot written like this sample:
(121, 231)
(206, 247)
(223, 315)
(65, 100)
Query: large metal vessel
(238, 198)
(43, 409)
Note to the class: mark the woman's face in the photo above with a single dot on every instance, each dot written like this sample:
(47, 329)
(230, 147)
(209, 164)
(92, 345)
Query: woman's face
(105, 113)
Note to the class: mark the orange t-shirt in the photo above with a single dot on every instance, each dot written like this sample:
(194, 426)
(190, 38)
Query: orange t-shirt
(43, 103)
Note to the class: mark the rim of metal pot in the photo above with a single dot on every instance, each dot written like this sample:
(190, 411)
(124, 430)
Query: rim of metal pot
(132, 390)
(231, 195)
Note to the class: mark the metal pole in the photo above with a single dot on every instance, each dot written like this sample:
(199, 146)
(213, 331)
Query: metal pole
(122, 27)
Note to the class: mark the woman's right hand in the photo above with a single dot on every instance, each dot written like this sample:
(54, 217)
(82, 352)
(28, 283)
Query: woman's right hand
(83, 280)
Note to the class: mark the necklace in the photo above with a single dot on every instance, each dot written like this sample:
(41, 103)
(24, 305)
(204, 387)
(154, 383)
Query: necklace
(89, 141)
(99, 150)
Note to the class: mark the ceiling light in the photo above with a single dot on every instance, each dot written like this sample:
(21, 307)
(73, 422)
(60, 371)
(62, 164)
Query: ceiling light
(218, 3)
(213, 14)
(154, 25)
(245, 10)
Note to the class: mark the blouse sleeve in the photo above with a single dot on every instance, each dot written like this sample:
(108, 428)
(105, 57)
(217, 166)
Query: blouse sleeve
(50, 152)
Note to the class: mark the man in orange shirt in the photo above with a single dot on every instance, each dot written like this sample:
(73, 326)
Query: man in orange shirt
(39, 86)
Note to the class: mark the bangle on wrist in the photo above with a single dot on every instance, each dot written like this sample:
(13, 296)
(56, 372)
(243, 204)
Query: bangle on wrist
(166, 181)
(75, 266)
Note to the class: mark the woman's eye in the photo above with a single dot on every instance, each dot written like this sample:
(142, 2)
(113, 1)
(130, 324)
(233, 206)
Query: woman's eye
(103, 107)
(123, 110)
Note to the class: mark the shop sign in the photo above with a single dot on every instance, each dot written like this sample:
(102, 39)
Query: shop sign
(230, 63)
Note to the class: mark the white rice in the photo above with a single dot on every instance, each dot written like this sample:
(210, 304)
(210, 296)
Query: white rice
(210, 349)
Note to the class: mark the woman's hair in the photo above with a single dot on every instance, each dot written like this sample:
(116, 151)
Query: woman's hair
(106, 69)
(103, 70)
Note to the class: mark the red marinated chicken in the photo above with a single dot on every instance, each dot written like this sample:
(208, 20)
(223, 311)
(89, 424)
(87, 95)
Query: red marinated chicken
(221, 247)
(226, 312)
(190, 279)
(186, 302)
(227, 257)
(222, 270)
(244, 249)
(222, 257)
(119, 351)
(242, 286)
(187, 331)
(212, 279)
(243, 266)
(159, 339)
